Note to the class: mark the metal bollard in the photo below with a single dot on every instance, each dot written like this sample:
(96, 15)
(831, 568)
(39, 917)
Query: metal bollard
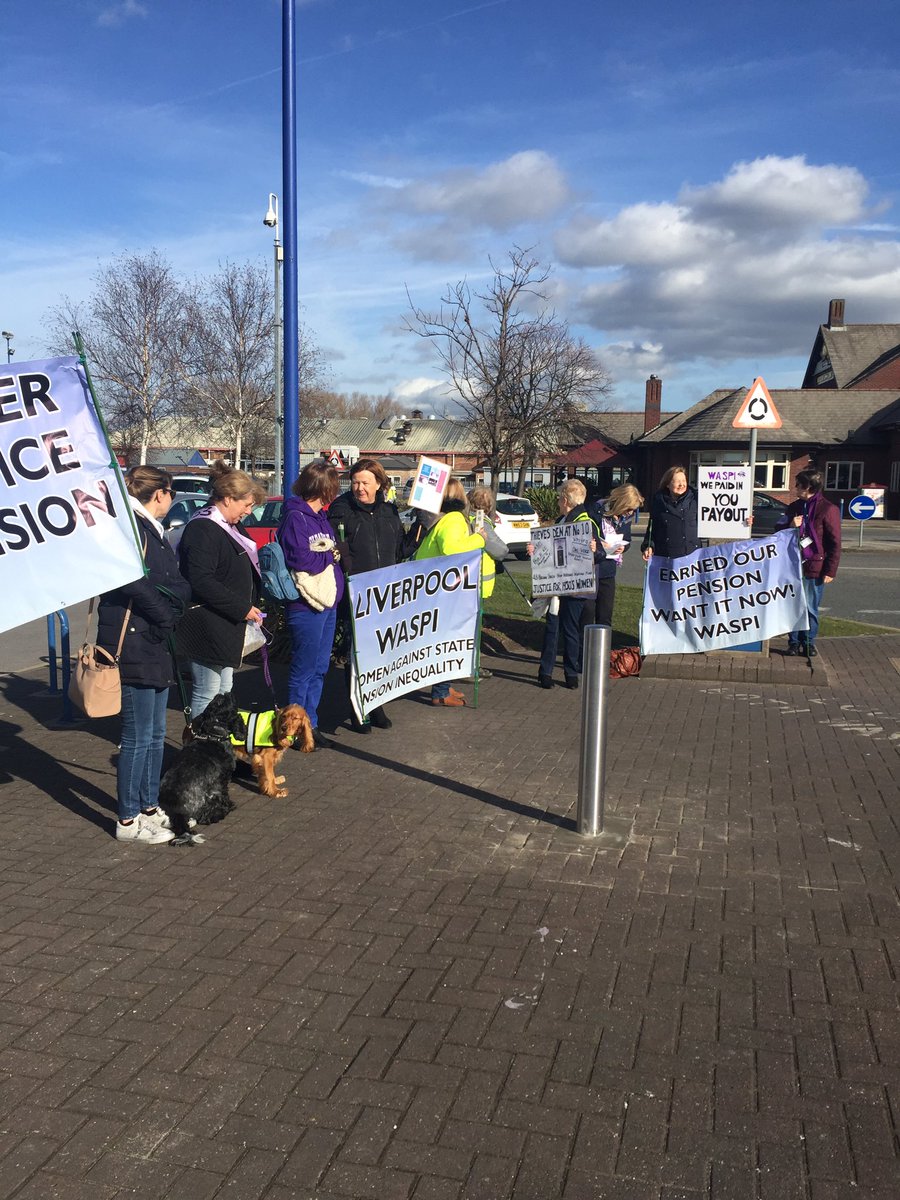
(595, 684)
(65, 654)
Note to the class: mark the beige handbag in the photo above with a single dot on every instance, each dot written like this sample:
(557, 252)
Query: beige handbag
(95, 685)
(319, 591)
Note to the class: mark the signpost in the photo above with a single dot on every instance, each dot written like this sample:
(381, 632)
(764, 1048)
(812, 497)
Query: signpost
(862, 509)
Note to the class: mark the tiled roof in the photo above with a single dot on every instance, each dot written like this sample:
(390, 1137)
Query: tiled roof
(614, 428)
(853, 350)
(809, 415)
(423, 437)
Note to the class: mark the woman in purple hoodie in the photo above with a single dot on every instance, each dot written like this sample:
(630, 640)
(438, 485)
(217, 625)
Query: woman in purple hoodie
(309, 548)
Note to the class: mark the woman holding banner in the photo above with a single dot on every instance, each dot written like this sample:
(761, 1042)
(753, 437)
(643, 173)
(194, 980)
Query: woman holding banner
(449, 535)
(313, 558)
(146, 611)
(370, 535)
(672, 528)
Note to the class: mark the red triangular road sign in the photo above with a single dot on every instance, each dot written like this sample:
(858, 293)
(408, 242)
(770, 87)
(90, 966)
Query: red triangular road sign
(757, 410)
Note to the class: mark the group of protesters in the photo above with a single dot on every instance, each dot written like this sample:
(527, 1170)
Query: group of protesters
(209, 594)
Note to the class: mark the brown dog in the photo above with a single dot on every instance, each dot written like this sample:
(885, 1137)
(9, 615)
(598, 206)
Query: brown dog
(269, 734)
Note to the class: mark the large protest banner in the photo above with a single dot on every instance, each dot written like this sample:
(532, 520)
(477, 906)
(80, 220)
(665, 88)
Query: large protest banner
(562, 563)
(65, 527)
(723, 596)
(413, 625)
(724, 502)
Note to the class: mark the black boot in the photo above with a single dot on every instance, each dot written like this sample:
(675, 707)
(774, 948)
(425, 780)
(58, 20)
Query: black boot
(546, 681)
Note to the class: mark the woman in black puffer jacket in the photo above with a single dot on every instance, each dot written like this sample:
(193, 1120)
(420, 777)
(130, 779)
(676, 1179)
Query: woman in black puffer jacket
(672, 530)
(145, 662)
(370, 535)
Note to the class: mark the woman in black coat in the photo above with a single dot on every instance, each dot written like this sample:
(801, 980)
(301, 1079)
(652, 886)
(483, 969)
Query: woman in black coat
(145, 661)
(672, 529)
(370, 535)
(220, 563)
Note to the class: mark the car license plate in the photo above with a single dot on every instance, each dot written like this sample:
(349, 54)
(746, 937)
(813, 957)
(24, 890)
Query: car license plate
(520, 524)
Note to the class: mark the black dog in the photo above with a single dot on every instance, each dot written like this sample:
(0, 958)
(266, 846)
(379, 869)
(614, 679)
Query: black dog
(195, 787)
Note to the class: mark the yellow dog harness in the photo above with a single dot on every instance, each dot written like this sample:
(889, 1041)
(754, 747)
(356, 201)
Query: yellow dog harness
(260, 730)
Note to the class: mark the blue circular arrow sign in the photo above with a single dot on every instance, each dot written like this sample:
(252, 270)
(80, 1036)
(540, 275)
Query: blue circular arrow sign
(861, 508)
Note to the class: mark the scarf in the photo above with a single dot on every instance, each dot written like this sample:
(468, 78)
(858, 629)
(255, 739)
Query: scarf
(212, 513)
(139, 508)
(808, 529)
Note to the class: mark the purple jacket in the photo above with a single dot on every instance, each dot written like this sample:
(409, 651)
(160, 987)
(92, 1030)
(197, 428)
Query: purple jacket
(827, 524)
(299, 525)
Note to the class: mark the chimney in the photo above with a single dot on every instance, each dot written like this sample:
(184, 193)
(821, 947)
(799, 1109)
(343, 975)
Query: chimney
(836, 314)
(652, 403)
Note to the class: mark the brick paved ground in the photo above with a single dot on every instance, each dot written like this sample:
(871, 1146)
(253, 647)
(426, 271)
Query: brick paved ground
(413, 980)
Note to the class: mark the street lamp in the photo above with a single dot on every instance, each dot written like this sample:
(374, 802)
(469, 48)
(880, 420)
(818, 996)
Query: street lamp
(271, 220)
(9, 337)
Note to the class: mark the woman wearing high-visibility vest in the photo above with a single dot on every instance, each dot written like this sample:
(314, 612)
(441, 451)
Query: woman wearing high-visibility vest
(449, 535)
(482, 515)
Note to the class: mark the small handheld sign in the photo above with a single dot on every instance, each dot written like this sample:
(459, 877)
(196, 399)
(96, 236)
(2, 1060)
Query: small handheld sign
(861, 508)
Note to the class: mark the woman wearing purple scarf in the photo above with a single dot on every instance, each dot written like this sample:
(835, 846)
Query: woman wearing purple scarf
(309, 547)
(220, 563)
(819, 523)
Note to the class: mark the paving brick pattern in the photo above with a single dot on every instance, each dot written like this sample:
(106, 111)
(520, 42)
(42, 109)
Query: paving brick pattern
(412, 980)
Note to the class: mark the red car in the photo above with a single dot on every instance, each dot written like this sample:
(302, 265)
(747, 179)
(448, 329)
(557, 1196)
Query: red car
(262, 522)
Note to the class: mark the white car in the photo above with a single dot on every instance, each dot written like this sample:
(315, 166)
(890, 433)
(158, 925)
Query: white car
(515, 520)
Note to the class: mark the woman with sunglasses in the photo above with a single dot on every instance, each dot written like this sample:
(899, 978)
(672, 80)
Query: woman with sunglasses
(142, 615)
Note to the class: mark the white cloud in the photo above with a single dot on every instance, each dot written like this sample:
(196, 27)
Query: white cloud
(734, 265)
(772, 194)
(118, 14)
(528, 186)
(430, 395)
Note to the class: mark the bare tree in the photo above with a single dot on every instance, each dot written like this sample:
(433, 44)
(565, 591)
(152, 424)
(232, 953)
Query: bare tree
(320, 402)
(131, 326)
(226, 364)
(520, 376)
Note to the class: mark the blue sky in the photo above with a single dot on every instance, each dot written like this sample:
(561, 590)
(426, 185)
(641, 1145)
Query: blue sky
(702, 178)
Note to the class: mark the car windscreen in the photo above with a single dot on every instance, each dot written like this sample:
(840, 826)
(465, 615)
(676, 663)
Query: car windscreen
(515, 507)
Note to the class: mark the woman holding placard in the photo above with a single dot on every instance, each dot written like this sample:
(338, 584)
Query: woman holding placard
(614, 517)
(672, 529)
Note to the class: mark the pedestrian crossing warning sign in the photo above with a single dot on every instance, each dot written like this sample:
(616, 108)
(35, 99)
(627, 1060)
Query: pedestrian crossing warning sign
(757, 410)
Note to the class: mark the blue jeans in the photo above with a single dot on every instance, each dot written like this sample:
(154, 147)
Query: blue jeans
(206, 682)
(312, 636)
(812, 592)
(141, 752)
(440, 691)
(568, 624)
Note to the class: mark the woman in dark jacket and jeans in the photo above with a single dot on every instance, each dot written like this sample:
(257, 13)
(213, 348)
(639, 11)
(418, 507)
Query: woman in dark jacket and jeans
(145, 662)
(370, 535)
(672, 529)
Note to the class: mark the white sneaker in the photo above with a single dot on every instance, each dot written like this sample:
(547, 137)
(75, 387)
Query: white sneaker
(161, 820)
(142, 829)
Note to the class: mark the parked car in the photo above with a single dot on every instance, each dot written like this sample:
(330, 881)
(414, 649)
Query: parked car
(194, 484)
(182, 508)
(515, 520)
(767, 513)
(262, 521)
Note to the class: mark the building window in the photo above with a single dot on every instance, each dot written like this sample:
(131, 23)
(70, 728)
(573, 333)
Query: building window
(843, 476)
(895, 477)
(772, 466)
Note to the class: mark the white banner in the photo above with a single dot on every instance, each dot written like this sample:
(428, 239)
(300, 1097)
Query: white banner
(65, 527)
(413, 625)
(723, 596)
(562, 563)
(724, 502)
